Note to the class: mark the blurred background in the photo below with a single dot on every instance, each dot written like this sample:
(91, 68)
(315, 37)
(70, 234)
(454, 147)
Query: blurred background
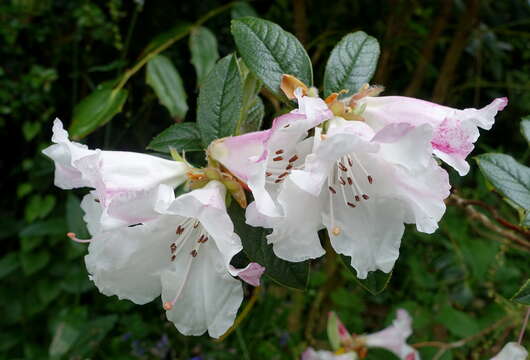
(454, 283)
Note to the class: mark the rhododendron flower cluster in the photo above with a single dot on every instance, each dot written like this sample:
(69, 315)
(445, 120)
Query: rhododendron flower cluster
(357, 168)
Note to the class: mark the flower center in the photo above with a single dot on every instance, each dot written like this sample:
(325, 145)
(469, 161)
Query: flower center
(189, 229)
(342, 179)
(280, 166)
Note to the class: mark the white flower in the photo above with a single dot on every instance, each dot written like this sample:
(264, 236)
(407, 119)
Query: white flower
(394, 337)
(311, 354)
(363, 186)
(122, 180)
(264, 159)
(511, 351)
(455, 131)
(182, 254)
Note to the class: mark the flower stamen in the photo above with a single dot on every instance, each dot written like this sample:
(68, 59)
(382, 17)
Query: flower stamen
(74, 237)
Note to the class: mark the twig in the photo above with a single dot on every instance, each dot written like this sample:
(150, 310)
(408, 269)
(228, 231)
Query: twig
(486, 221)
(525, 324)
(456, 344)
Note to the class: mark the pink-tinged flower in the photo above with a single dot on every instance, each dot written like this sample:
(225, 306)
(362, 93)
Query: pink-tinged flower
(122, 181)
(183, 255)
(394, 337)
(312, 354)
(512, 351)
(264, 159)
(455, 131)
(354, 181)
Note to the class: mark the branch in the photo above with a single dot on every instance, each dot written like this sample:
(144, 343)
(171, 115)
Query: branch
(427, 52)
(472, 213)
(465, 26)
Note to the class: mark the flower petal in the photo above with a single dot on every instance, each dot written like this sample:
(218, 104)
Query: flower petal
(311, 354)
(314, 108)
(511, 351)
(251, 274)
(362, 236)
(208, 206)
(209, 296)
(394, 337)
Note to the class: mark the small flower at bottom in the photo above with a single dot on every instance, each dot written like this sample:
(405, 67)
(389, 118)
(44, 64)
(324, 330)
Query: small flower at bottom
(512, 351)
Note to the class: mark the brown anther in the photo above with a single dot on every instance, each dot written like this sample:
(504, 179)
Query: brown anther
(96, 200)
(173, 257)
(357, 198)
(200, 239)
(278, 158)
(278, 181)
(289, 84)
(350, 204)
(180, 230)
(350, 162)
(342, 181)
(350, 181)
(289, 167)
(365, 197)
(332, 190)
(205, 239)
(193, 253)
(196, 224)
(283, 175)
(278, 152)
(173, 248)
(167, 306)
(293, 158)
(268, 173)
(370, 179)
(342, 167)
(286, 126)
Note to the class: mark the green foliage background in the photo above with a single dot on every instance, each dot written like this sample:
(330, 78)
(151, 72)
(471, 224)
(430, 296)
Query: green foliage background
(455, 283)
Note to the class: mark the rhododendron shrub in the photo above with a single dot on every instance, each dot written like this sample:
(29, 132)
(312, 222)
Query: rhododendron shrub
(340, 172)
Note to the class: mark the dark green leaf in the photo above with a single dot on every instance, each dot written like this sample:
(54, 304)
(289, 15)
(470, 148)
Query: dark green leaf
(523, 294)
(34, 261)
(457, 322)
(270, 52)
(508, 176)
(165, 80)
(74, 217)
(254, 117)
(93, 333)
(182, 136)
(96, 110)
(376, 281)
(241, 9)
(165, 40)
(525, 127)
(8, 264)
(204, 54)
(219, 103)
(293, 275)
(352, 63)
(47, 227)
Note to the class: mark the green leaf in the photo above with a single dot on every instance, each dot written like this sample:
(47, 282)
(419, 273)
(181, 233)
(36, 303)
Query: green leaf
(96, 110)
(525, 127)
(165, 40)
(64, 337)
(254, 117)
(8, 264)
(270, 52)
(165, 80)
(182, 137)
(74, 217)
(34, 261)
(241, 9)
(93, 333)
(204, 54)
(523, 294)
(219, 103)
(457, 322)
(293, 275)
(46, 227)
(352, 63)
(507, 176)
(376, 281)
